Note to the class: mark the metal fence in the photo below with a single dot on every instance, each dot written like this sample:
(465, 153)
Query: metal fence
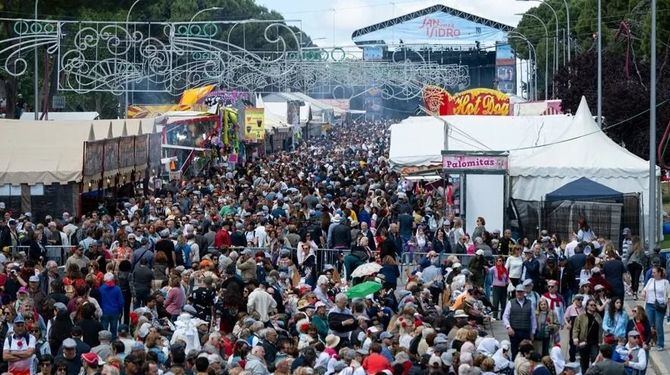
(56, 253)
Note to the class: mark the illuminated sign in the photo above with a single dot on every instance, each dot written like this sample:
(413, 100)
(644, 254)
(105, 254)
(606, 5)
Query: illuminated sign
(484, 102)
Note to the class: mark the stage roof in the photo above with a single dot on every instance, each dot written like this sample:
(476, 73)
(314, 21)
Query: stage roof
(438, 24)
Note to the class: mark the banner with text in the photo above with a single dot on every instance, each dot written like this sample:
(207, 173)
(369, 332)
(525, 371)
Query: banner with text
(485, 102)
(463, 162)
(254, 124)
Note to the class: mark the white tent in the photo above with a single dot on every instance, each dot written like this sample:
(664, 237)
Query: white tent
(545, 152)
(419, 141)
(583, 150)
(62, 116)
(46, 152)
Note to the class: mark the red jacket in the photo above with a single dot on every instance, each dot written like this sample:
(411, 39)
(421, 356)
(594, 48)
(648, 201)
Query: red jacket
(222, 239)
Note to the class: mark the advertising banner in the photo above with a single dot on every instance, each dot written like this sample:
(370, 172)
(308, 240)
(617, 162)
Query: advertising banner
(154, 153)
(436, 28)
(505, 68)
(140, 151)
(126, 152)
(483, 102)
(93, 158)
(111, 159)
(254, 124)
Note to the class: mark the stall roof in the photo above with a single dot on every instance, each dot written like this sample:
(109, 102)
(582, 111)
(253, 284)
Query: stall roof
(23, 160)
(583, 189)
(41, 153)
(62, 116)
(468, 133)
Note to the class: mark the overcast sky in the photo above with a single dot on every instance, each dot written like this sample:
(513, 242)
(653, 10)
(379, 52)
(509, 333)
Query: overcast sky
(325, 25)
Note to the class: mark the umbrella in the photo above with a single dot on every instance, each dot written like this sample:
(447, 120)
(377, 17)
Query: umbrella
(363, 289)
(366, 269)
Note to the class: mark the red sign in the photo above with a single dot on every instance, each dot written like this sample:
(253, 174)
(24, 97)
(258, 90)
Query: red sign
(484, 102)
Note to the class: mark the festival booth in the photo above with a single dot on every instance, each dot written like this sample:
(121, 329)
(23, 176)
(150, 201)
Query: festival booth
(545, 153)
(81, 159)
(583, 150)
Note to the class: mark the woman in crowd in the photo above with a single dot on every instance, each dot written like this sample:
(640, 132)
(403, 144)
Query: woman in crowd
(514, 265)
(657, 296)
(635, 264)
(547, 327)
(615, 321)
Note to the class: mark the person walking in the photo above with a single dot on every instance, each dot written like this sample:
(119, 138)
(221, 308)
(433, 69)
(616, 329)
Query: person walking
(519, 319)
(500, 282)
(587, 334)
(635, 264)
(656, 295)
(112, 304)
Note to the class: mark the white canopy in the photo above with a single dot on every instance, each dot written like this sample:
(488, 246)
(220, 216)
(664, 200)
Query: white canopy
(47, 152)
(545, 152)
(62, 116)
(583, 150)
(34, 152)
(419, 141)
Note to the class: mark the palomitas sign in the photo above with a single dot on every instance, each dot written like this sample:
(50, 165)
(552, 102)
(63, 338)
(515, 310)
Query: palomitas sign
(459, 162)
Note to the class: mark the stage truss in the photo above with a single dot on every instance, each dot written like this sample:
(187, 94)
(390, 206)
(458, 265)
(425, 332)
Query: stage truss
(170, 57)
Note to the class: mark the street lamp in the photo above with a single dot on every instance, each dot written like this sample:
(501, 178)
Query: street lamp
(567, 15)
(546, 51)
(203, 11)
(556, 19)
(36, 78)
(128, 69)
(532, 89)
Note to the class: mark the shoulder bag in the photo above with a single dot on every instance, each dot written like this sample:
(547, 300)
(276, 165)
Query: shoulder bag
(660, 307)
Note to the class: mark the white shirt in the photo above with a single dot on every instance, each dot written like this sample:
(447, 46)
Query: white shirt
(261, 302)
(514, 266)
(662, 290)
(20, 344)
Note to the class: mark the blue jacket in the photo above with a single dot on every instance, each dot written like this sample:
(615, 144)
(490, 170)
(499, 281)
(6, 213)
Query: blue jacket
(111, 300)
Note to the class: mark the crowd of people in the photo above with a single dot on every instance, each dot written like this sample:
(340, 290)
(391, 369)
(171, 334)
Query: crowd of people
(250, 270)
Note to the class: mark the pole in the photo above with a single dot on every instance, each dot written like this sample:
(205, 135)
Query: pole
(567, 14)
(600, 68)
(652, 133)
(36, 90)
(125, 104)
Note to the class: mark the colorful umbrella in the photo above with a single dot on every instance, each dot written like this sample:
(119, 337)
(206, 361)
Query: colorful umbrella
(366, 269)
(363, 289)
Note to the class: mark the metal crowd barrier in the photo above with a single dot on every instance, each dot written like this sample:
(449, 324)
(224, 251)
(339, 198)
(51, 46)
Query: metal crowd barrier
(56, 253)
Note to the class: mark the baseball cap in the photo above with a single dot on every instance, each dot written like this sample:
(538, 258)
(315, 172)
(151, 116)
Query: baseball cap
(108, 277)
(34, 279)
(386, 335)
(104, 335)
(69, 343)
(19, 319)
(520, 288)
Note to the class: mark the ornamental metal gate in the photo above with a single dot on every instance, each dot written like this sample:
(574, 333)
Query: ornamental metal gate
(169, 57)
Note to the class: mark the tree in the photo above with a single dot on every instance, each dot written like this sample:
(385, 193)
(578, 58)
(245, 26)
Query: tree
(625, 99)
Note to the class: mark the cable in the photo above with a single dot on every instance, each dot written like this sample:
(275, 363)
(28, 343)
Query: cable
(591, 133)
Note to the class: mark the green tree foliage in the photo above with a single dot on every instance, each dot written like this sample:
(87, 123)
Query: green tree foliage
(625, 63)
